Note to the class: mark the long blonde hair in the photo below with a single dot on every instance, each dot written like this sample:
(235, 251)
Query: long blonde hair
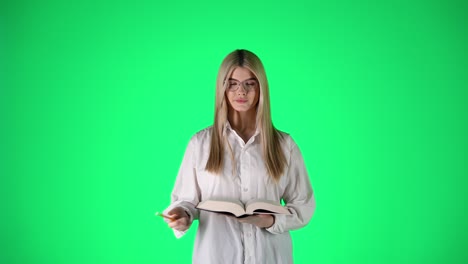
(273, 155)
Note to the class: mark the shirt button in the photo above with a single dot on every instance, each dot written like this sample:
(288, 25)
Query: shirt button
(246, 189)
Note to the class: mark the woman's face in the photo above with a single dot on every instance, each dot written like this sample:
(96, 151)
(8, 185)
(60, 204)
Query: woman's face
(243, 90)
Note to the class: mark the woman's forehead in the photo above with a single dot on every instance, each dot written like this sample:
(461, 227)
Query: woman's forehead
(241, 73)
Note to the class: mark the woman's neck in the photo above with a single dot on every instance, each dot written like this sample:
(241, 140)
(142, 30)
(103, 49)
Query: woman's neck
(244, 123)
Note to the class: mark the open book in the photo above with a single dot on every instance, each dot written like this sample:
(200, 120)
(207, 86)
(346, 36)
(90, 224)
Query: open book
(256, 206)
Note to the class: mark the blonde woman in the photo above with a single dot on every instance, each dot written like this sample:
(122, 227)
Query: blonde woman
(241, 157)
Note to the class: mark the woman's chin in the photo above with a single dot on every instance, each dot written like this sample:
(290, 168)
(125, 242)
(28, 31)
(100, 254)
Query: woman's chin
(241, 109)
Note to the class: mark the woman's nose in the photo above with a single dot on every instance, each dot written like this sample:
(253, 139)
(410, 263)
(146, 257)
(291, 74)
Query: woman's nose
(241, 89)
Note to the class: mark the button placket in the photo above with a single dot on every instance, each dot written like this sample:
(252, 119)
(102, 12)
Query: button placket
(244, 175)
(248, 243)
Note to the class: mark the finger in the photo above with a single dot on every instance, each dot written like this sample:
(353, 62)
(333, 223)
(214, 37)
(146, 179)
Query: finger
(173, 216)
(176, 222)
(179, 223)
(264, 215)
(248, 219)
(180, 227)
(175, 211)
(173, 224)
(177, 215)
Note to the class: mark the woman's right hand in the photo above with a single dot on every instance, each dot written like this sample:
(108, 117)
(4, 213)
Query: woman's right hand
(181, 220)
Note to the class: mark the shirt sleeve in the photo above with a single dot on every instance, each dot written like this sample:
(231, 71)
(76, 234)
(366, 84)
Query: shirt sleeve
(186, 192)
(298, 196)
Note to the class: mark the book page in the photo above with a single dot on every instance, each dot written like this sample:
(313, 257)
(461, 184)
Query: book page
(233, 207)
(259, 206)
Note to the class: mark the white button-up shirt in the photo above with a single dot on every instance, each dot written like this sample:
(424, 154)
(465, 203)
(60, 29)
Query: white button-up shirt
(221, 239)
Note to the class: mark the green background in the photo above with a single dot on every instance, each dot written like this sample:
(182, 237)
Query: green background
(98, 100)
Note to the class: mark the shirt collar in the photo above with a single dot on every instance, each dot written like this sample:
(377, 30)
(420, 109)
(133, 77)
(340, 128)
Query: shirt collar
(228, 127)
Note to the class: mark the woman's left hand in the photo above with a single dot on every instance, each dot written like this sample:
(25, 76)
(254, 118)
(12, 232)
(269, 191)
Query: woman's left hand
(260, 220)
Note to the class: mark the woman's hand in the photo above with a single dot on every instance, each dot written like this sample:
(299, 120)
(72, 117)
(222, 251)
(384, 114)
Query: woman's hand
(180, 219)
(260, 220)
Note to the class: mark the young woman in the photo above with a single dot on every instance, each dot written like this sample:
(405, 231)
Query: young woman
(241, 157)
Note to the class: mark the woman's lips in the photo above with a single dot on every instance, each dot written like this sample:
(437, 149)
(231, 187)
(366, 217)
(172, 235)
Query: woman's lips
(241, 101)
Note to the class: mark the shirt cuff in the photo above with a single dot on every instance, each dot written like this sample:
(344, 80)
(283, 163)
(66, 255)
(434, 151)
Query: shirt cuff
(278, 226)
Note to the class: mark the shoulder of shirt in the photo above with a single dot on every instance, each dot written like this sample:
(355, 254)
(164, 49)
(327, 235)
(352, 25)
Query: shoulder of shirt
(287, 139)
(202, 135)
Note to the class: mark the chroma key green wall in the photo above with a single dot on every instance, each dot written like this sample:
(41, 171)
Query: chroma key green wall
(98, 100)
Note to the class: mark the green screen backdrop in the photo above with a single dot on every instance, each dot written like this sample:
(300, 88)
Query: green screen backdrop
(99, 99)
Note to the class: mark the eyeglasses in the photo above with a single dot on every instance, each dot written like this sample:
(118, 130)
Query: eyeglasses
(249, 85)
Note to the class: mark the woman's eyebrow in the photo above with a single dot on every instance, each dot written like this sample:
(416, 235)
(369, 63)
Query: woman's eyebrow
(232, 79)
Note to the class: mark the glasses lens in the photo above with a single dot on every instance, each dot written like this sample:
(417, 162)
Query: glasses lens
(233, 85)
(250, 85)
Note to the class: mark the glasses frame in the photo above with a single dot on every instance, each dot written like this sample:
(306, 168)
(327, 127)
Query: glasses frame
(243, 84)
